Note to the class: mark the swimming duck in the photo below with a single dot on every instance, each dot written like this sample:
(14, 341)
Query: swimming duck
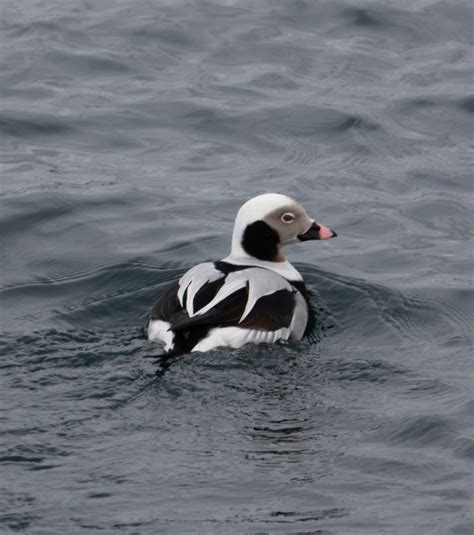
(254, 295)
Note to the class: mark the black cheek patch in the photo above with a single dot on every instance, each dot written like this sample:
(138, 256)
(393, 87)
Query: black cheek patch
(261, 241)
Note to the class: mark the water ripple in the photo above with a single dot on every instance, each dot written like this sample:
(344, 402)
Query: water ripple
(131, 134)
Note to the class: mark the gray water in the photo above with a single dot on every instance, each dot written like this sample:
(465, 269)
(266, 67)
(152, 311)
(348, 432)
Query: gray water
(131, 132)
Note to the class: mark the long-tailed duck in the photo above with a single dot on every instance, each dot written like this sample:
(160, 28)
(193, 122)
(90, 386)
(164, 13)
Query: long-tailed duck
(252, 295)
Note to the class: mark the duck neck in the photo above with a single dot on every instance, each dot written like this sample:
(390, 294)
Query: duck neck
(283, 268)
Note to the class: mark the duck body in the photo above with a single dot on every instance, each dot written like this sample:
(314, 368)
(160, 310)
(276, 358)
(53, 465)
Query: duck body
(224, 304)
(252, 296)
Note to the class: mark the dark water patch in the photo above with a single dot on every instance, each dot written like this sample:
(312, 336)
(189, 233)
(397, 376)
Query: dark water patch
(419, 431)
(24, 215)
(444, 216)
(433, 118)
(18, 522)
(400, 25)
(33, 457)
(308, 515)
(361, 371)
(12, 126)
(435, 388)
(275, 80)
(32, 125)
(463, 528)
(168, 37)
(384, 466)
(363, 17)
(309, 121)
(89, 65)
(464, 447)
(353, 302)
(72, 300)
(71, 348)
(256, 130)
(466, 104)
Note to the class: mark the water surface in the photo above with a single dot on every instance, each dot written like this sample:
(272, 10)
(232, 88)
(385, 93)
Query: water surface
(131, 132)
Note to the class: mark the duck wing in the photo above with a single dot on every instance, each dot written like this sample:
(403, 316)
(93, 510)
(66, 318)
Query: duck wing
(251, 298)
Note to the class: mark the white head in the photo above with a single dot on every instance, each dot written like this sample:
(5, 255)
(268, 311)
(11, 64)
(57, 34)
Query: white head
(267, 222)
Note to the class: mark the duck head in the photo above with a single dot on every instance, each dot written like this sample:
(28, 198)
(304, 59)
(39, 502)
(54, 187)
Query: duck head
(268, 222)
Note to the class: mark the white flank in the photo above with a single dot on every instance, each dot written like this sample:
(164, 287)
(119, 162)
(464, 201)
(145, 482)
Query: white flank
(159, 331)
(300, 317)
(237, 337)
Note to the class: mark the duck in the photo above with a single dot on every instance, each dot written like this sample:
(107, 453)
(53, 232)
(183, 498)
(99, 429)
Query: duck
(253, 295)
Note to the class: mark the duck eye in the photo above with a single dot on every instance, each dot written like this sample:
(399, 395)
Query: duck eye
(288, 217)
